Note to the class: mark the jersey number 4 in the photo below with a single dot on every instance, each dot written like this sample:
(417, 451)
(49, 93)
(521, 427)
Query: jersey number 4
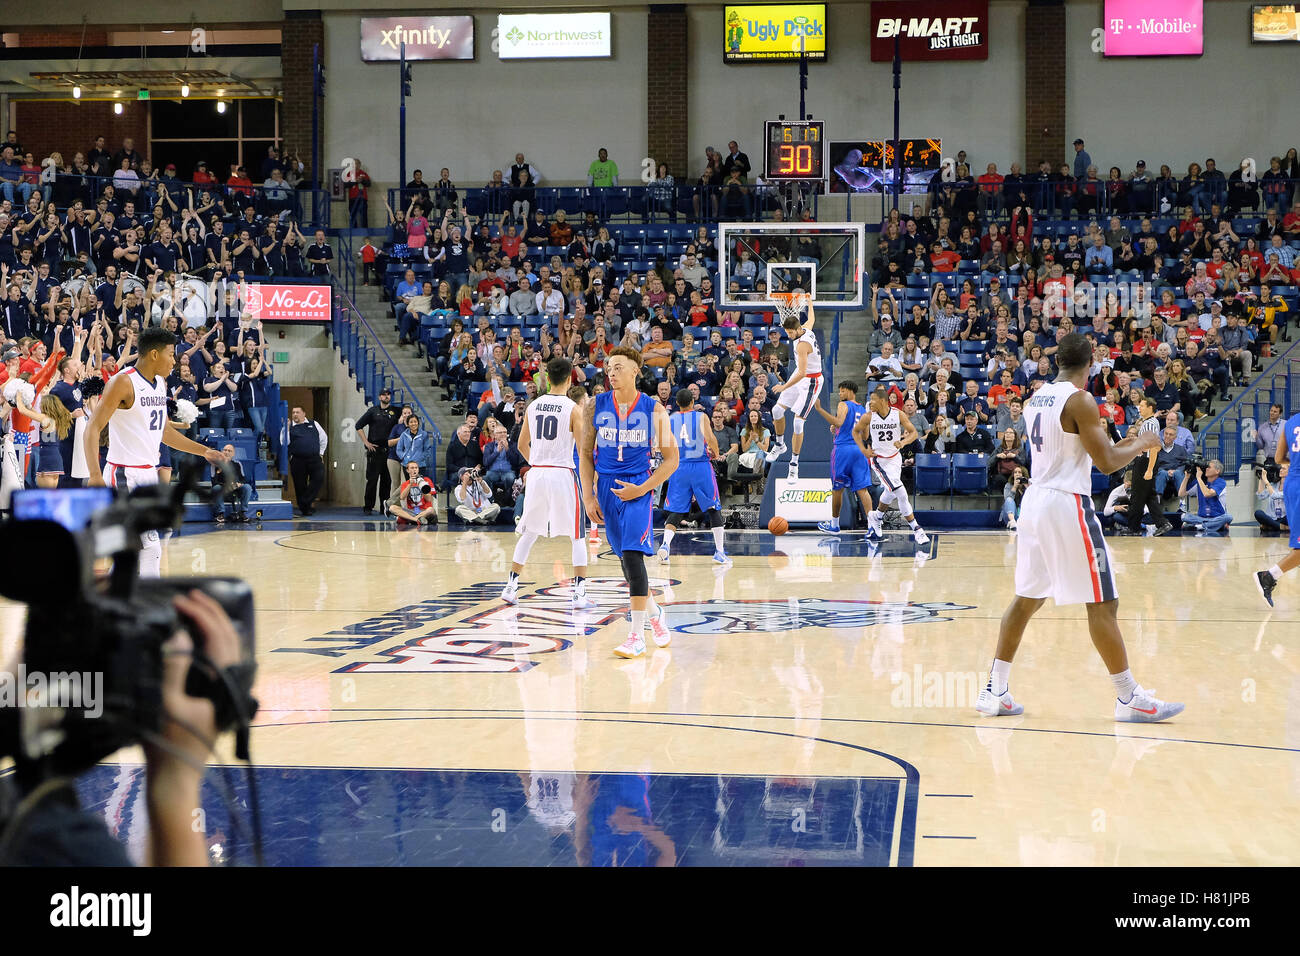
(1036, 436)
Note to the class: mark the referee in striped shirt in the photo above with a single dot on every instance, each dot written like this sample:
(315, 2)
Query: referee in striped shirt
(1144, 497)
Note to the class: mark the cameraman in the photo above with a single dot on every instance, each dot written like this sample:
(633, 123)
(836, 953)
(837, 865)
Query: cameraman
(414, 502)
(58, 833)
(474, 504)
(1272, 518)
(1210, 515)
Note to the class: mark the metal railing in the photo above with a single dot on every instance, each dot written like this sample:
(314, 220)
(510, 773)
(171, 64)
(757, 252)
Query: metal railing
(649, 204)
(370, 362)
(1227, 436)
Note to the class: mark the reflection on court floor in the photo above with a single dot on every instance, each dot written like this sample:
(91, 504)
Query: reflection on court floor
(318, 817)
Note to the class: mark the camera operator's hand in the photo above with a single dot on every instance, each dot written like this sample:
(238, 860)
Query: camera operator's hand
(189, 729)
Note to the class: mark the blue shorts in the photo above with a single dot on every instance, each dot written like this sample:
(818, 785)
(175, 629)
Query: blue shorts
(692, 479)
(1291, 494)
(849, 468)
(164, 456)
(627, 523)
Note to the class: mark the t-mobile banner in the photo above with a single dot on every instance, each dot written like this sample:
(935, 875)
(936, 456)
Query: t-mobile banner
(287, 303)
(1154, 27)
(930, 29)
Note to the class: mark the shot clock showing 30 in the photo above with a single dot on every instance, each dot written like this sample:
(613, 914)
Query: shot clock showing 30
(796, 150)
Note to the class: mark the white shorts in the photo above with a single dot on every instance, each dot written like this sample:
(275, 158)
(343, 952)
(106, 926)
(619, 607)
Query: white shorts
(800, 399)
(888, 473)
(130, 477)
(552, 504)
(1060, 551)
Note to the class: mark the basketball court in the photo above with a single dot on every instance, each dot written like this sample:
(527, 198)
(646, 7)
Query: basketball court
(815, 706)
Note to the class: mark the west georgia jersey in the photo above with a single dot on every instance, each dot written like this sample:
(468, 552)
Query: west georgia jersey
(135, 433)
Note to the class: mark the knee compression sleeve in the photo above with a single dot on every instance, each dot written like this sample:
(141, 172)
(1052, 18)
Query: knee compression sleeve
(798, 425)
(715, 517)
(580, 553)
(638, 581)
(525, 544)
(674, 519)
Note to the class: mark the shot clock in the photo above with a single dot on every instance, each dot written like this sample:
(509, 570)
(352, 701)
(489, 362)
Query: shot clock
(796, 150)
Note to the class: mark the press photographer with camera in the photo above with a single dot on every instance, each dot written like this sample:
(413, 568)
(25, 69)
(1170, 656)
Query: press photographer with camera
(474, 504)
(1012, 494)
(414, 501)
(1272, 517)
(1211, 516)
(109, 662)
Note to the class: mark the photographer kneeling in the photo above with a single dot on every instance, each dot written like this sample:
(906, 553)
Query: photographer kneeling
(414, 502)
(49, 829)
(1210, 515)
(1272, 517)
(1012, 494)
(474, 504)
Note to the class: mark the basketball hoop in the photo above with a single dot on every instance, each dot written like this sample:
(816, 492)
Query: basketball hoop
(790, 304)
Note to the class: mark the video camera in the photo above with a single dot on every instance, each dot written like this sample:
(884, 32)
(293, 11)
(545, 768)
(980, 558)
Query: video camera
(115, 625)
(1270, 470)
(1197, 465)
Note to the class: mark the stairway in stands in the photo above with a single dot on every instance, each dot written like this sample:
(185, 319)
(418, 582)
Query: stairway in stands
(853, 355)
(379, 315)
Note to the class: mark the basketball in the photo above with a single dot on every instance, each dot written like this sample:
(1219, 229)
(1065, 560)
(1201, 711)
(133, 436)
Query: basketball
(778, 525)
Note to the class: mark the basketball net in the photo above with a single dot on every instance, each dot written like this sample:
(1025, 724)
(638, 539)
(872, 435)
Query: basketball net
(790, 304)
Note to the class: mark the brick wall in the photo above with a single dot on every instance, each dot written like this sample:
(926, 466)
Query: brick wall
(1044, 83)
(45, 126)
(667, 68)
(298, 34)
(64, 38)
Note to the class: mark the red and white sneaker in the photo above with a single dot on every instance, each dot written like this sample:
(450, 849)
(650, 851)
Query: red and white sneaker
(634, 646)
(1143, 708)
(997, 705)
(659, 628)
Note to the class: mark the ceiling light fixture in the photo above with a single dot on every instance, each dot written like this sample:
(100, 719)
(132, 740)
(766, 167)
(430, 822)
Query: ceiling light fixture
(185, 89)
(221, 106)
(76, 92)
(117, 108)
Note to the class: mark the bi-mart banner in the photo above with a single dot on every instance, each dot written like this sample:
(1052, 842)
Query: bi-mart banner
(930, 29)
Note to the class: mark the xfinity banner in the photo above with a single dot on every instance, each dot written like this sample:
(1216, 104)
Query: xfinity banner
(538, 36)
(287, 303)
(930, 29)
(426, 38)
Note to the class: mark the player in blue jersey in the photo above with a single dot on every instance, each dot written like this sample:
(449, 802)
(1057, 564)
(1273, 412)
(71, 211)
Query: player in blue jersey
(1288, 449)
(849, 467)
(694, 477)
(624, 428)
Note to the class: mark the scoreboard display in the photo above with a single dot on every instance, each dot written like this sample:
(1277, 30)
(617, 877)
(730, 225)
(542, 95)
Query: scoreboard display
(796, 150)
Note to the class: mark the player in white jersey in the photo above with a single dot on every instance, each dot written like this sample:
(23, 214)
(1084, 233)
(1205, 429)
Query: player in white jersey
(553, 500)
(1060, 552)
(134, 407)
(888, 432)
(799, 393)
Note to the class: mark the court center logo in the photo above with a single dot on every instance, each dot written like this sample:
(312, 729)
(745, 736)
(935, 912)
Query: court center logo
(470, 631)
(793, 614)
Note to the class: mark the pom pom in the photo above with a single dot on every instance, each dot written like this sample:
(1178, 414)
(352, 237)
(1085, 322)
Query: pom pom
(186, 411)
(92, 387)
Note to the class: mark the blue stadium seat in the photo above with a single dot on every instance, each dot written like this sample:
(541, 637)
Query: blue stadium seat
(207, 433)
(932, 474)
(1100, 482)
(970, 474)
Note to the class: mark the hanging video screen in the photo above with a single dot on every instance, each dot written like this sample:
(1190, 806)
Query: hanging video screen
(864, 166)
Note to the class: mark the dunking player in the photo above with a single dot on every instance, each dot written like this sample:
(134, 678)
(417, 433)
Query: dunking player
(694, 477)
(624, 427)
(849, 467)
(888, 432)
(1060, 551)
(1288, 448)
(134, 407)
(553, 502)
(800, 392)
